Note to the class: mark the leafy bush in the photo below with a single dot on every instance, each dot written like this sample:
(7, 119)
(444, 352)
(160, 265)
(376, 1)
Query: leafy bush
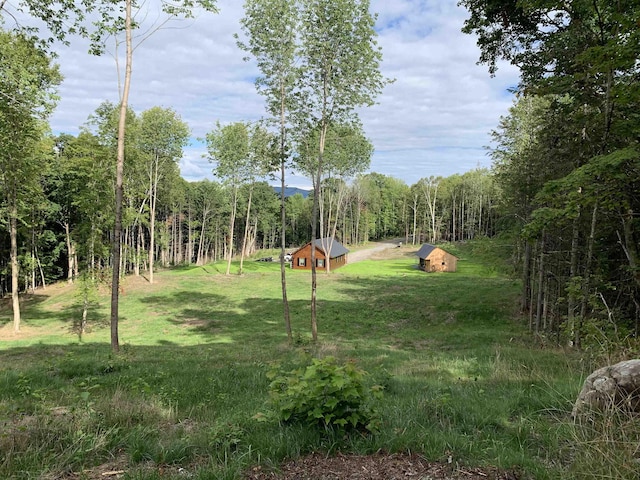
(326, 394)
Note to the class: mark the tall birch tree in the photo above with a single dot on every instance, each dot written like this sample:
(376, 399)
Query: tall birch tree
(116, 25)
(162, 137)
(340, 72)
(228, 148)
(270, 27)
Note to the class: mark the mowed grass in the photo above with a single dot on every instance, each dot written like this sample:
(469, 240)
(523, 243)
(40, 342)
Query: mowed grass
(464, 381)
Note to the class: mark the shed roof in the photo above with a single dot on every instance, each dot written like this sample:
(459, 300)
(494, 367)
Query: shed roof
(336, 250)
(425, 250)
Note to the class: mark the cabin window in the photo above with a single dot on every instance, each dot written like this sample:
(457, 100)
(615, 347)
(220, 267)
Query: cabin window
(302, 262)
(320, 262)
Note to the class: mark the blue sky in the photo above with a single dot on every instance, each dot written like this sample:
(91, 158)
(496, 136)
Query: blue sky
(434, 119)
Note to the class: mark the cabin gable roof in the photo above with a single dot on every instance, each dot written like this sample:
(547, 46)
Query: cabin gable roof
(427, 249)
(336, 248)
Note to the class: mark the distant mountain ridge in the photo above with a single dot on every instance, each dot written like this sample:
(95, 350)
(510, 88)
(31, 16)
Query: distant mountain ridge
(288, 191)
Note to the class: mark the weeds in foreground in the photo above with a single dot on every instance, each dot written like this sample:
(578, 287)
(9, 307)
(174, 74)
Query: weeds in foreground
(605, 444)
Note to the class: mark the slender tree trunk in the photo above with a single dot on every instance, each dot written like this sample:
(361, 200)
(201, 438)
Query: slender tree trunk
(180, 246)
(139, 240)
(189, 238)
(586, 281)
(70, 253)
(15, 267)
(33, 261)
(415, 218)
(152, 231)
(232, 222)
(153, 189)
(40, 269)
(199, 258)
(115, 284)
(173, 248)
(573, 272)
(92, 250)
(532, 293)
(541, 282)
(525, 304)
(283, 218)
(314, 232)
(246, 229)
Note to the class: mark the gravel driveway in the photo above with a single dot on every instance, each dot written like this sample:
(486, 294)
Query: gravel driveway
(369, 252)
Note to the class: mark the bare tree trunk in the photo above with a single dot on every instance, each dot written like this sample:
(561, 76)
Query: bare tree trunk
(232, 222)
(525, 304)
(246, 230)
(314, 232)
(15, 267)
(203, 227)
(135, 238)
(40, 270)
(70, 253)
(189, 238)
(415, 218)
(573, 272)
(540, 285)
(115, 283)
(152, 231)
(283, 220)
(153, 188)
(586, 278)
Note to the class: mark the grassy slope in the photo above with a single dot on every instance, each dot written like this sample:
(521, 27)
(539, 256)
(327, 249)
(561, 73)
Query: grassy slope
(462, 379)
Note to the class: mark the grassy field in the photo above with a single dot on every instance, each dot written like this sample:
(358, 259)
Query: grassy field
(464, 382)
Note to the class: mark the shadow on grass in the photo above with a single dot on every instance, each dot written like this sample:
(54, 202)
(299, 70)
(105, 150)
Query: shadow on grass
(38, 311)
(404, 309)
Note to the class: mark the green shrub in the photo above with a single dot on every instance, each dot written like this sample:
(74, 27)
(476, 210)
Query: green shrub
(326, 394)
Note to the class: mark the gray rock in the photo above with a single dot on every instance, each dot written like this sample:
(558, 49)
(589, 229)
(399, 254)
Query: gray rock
(612, 386)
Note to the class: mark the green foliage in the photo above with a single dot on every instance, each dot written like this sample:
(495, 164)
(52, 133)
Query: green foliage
(566, 159)
(325, 393)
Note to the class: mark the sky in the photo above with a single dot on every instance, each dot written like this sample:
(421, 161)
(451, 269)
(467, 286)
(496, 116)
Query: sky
(435, 119)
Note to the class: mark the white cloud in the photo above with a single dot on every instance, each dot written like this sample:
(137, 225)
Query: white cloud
(434, 120)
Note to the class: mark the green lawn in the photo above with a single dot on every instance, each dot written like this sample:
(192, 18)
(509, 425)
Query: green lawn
(462, 377)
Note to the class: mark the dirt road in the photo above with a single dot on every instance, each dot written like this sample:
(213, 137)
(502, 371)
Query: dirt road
(371, 251)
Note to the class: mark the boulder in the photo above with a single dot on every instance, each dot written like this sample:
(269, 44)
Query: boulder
(612, 386)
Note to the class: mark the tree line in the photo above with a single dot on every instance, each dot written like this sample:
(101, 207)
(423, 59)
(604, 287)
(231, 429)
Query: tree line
(66, 222)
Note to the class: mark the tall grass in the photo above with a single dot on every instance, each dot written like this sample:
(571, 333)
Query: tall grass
(463, 382)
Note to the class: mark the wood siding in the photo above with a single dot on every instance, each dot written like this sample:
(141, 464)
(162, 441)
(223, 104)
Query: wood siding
(301, 259)
(439, 261)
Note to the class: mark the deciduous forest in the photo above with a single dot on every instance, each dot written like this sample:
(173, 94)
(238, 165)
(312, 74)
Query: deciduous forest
(472, 374)
(562, 197)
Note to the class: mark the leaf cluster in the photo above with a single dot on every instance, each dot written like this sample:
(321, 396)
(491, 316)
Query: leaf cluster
(326, 394)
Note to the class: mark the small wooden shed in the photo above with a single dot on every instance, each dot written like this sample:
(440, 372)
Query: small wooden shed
(336, 255)
(435, 259)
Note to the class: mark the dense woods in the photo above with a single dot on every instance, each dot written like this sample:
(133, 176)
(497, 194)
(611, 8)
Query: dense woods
(568, 162)
(563, 193)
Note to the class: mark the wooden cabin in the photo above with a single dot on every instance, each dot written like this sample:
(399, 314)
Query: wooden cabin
(336, 256)
(435, 259)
